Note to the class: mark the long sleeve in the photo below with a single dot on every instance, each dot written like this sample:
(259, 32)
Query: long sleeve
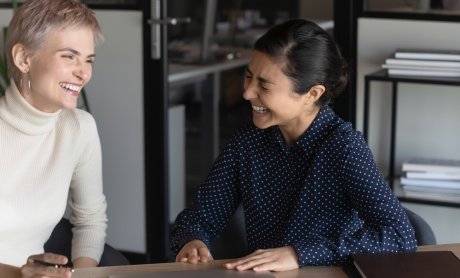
(216, 200)
(384, 224)
(323, 195)
(87, 201)
(46, 159)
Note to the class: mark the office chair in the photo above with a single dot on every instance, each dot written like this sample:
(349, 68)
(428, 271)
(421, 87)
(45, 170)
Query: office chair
(232, 242)
(423, 232)
(60, 242)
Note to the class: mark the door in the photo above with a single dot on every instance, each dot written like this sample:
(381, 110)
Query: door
(156, 130)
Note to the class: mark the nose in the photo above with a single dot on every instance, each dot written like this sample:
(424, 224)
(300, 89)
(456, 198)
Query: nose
(249, 91)
(83, 71)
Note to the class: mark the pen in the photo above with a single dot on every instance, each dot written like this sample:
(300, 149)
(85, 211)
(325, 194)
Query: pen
(51, 264)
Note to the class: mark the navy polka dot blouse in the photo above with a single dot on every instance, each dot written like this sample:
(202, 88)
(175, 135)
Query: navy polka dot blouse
(323, 195)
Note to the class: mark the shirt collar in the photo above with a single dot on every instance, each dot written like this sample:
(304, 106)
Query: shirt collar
(319, 129)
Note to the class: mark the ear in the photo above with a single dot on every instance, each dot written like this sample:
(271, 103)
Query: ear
(315, 93)
(21, 58)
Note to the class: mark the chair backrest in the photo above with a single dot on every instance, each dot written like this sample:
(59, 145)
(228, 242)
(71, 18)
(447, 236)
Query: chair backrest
(423, 232)
(232, 242)
(60, 242)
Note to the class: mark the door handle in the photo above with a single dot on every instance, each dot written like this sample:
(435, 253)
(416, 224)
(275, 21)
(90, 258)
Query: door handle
(156, 21)
(170, 20)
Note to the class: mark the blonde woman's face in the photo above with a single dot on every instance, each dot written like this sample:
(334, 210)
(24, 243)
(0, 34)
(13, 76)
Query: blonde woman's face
(60, 69)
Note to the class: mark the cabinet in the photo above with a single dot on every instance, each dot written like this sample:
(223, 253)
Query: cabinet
(382, 76)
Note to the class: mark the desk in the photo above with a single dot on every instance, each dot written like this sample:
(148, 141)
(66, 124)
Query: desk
(207, 75)
(309, 271)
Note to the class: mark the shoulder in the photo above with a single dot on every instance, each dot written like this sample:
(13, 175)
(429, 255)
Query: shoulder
(78, 119)
(79, 124)
(344, 139)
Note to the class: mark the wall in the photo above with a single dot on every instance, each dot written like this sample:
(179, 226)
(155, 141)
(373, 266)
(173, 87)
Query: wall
(309, 9)
(116, 99)
(428, 115)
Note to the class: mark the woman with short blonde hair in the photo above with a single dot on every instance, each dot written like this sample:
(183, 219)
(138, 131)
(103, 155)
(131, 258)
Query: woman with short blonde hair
(50, 152)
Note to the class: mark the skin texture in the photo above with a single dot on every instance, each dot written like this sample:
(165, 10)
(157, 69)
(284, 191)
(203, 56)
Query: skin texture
(66, 57)
(274, 102)
(267, 87)
(31, 269)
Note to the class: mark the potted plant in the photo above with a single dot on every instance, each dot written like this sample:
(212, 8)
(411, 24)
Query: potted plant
(4, 80)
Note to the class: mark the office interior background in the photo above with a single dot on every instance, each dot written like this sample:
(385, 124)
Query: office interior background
(427, 114)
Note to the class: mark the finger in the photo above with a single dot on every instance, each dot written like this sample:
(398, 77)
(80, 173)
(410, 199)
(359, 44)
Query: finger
(33, 270)
(270, 266)
(181, 257)
(49, 258)
(193, 255)
(204, 254)
(254, 262)
(254, 255)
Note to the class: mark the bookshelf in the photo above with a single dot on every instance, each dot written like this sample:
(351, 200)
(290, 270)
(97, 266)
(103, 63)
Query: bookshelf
(393, 179)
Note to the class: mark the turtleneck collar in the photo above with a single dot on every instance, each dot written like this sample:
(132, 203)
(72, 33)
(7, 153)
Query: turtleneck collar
(20, 114)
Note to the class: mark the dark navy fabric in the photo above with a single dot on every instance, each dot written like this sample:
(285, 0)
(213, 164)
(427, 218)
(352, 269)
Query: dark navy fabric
(323, 195)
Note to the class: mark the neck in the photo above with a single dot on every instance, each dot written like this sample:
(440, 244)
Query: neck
(292, 132)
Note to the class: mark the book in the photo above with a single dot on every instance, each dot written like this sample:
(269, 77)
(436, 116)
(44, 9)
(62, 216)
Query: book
(418, 67)
(424, 63)
(431, 183)
(427, 264)
(432, 175)
(414, 72)
(431, 196)
(430, 189)
(428, 54)
(431, 165)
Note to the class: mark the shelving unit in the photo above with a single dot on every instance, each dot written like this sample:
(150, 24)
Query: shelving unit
(382, 76)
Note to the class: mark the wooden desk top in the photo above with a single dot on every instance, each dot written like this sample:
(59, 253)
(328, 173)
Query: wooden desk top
(309, 271)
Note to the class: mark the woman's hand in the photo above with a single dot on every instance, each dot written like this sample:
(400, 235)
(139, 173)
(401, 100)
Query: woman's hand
(84, 262)
(31, 269)
(194, 251)
(276, 259)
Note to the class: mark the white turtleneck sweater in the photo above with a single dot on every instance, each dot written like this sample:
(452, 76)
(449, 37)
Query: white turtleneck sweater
(47, 160)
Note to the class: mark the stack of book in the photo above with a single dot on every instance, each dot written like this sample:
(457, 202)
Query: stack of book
(434, 179)
(424, 62)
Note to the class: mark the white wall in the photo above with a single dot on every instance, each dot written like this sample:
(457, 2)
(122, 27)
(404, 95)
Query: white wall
(428, 115)
(116, 99)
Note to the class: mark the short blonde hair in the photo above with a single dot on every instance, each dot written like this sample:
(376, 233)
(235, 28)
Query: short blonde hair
(35, 20)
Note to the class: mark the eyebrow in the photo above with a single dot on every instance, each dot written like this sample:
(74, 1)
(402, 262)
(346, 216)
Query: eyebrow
(75, 52)
(261, 79)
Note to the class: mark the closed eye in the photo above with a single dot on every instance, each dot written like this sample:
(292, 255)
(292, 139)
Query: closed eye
(248, 74)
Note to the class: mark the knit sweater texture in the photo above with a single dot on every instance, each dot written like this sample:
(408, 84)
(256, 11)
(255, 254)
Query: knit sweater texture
(48, 161)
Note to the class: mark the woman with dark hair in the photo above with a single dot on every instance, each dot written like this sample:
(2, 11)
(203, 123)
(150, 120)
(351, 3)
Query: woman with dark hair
(310, 189)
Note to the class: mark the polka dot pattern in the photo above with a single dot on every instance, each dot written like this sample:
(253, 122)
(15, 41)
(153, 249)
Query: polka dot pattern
(323, 195)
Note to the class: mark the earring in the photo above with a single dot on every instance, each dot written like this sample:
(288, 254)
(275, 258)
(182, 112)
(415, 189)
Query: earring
(28, 92)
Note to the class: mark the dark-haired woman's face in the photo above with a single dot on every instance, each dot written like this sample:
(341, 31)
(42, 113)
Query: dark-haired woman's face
(272, 97)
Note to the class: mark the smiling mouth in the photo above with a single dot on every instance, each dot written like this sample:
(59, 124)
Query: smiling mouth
(71, 88)
(259, 109)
